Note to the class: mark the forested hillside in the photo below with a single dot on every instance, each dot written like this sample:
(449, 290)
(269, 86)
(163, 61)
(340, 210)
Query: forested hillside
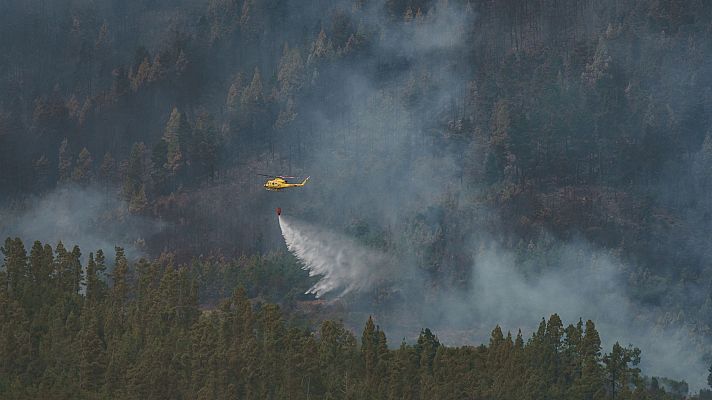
(581, 117)
(146, 337)
(510, 159)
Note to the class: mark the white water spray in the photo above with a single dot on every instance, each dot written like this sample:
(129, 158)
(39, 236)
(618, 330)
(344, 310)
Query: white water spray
(341, 262)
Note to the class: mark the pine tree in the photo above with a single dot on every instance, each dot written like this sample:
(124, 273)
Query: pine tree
(205, 337)
(182, 63)
(107, 170)
(598, 69)
(15, 263)
(620, 375)
(286, 115)
(339, 358)
(500, 141)
(570, 357)
(290, 74)
(496, 351)
(174, 138)
(48, 264)
(84, 112)
(253, 95)
(139, 201)
(100, 265)
(102, 38)
(224, 18)
(121, 84)
(552, 348)
(15, 350)
(92, 355)
(120, 280)
(425, 348)
(142, 75)
(272, 345)
(39, 273)
(590, 383)
(134, 178)
(516, 369)
(63, 272)
(234, 94)
(321, 48)
(242, 354)
(73, 106)
(250, 21)
(77, 271)
(404, 374)
(158, 70)
(369, 348)
(83, 169)
(253, 114)
(383, 364)
(96, 287)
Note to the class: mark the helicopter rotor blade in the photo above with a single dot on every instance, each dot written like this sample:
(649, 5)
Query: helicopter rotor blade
(278, 176)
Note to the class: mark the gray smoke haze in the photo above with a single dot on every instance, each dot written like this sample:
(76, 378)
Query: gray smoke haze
(378, 150)
(579, 282)
(379, 161)
(377, 156)
(88, 217)
(576, 282)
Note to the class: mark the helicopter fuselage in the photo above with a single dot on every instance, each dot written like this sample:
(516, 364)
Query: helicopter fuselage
(280, 183)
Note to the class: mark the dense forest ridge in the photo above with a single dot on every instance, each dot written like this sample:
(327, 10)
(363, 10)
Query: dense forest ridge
(66, 333)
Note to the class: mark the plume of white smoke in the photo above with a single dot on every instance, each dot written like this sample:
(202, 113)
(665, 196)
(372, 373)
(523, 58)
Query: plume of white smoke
(577, 282)
(340, 262)
(581, 282)
(403, 173)
(88, 217)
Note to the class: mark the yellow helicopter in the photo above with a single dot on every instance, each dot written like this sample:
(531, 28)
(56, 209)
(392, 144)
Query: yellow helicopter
(279, 182)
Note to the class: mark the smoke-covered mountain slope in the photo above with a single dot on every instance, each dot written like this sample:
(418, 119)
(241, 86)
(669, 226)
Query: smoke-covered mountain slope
(504, 160)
